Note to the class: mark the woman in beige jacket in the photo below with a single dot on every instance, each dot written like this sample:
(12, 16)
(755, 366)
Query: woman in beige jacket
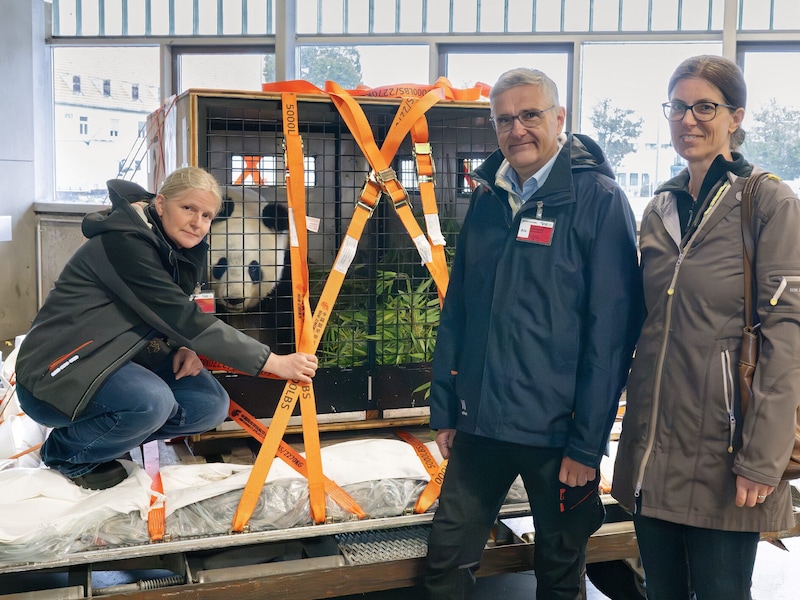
(702, 480)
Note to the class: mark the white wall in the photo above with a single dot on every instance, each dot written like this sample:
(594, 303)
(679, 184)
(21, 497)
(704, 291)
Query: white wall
(25, 155)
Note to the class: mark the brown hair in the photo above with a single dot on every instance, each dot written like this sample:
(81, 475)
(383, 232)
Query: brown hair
(190, 178)
(723, 74)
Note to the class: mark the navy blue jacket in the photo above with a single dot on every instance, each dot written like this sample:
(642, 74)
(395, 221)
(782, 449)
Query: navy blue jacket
(535, 340)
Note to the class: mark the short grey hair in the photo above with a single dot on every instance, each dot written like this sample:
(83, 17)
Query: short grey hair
(525, 76)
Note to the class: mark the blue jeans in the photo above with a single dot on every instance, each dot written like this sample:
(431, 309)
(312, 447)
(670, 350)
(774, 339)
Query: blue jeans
(132, 407)
(479, 473)
(682, 562)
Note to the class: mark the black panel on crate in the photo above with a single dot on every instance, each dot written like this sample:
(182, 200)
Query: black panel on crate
(382, 330)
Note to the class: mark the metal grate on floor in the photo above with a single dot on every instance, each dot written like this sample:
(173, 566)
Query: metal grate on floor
(368, 547)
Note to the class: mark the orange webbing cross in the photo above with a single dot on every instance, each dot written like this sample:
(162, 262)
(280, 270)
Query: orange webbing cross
(409, 112)
(293, 458)
(383, 179)
(436, 472)
(251, 169)
(156, 516)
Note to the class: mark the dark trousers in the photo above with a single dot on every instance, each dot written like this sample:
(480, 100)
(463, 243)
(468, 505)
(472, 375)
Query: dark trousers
(682, 562)
(479, 473)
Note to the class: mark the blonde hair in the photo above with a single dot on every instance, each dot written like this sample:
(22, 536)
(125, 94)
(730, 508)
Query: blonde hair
(190, 178)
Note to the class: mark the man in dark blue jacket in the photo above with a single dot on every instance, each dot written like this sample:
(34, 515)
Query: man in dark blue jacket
(537, 331)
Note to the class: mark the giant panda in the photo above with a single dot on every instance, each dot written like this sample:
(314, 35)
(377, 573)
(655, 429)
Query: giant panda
(247, 243)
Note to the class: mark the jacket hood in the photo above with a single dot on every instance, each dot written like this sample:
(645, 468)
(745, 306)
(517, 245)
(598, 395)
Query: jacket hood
(580, 151)
(122, 190)
(122, 216)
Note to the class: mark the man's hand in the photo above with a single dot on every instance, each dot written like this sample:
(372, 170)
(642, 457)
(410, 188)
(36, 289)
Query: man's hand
(749, 493)
(575, 474)
(444, 440)
(185, 363)
(298, 366)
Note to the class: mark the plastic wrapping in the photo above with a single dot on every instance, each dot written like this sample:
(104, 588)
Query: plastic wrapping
(46, 517)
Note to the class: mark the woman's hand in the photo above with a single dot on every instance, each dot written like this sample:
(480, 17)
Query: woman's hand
(749, 493)
(298, 366)
(185, 362)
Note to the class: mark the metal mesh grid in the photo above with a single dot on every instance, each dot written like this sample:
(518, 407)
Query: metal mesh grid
(387, 310)
(369, 547)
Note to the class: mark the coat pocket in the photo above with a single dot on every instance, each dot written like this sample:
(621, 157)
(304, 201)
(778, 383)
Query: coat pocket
(728, 391)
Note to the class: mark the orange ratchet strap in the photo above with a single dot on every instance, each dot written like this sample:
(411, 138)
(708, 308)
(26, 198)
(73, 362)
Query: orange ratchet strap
(26, 451)
(293, 458)
(409, 112)
(214, 365)
(296, 197)
(156, 516)
(436, 472)
(294, 390)
(415, 101)
(426, 171)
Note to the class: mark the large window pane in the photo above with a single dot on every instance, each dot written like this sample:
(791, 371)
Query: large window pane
(409, 64)
(102, 97)
(772, 119)
(367, 65)
(225, 71)
(630, 80)
(465, 69)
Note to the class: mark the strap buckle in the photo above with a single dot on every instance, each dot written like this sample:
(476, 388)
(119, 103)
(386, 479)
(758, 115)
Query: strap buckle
(384, 176)
(424, 149)
(371, 189)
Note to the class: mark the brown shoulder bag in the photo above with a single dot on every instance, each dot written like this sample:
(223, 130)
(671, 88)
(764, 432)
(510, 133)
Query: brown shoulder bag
(750, 333)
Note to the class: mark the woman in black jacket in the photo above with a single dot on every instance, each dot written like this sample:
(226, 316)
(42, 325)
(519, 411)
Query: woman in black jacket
(111, 361)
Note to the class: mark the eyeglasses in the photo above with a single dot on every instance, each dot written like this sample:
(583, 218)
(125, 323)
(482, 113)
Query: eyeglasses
(702, 111)
(529, 119)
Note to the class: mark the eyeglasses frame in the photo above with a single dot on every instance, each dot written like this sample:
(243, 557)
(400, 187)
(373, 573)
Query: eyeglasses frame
(517, 117)
(690, 107)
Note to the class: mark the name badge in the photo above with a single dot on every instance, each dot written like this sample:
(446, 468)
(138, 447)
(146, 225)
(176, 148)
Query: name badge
(536, 231)
(205, 301)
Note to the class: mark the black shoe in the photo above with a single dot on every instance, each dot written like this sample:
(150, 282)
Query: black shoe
(103, 476)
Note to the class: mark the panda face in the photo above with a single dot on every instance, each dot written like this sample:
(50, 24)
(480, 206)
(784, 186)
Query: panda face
(248, 242)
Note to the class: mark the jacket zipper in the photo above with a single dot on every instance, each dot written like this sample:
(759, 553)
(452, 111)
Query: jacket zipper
(651, 434)
(727, 387)
(784, 281)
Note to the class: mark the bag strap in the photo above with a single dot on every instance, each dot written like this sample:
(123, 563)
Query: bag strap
(750, 357)
(749, 255)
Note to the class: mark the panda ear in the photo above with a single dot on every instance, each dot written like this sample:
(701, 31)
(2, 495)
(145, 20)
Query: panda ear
(226, 210)
(275, 217)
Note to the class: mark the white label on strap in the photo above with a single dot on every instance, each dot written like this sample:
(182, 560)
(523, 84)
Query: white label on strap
(346, 254)
(424, 249)
(292, 230)
(434, 230)
(312, 224)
